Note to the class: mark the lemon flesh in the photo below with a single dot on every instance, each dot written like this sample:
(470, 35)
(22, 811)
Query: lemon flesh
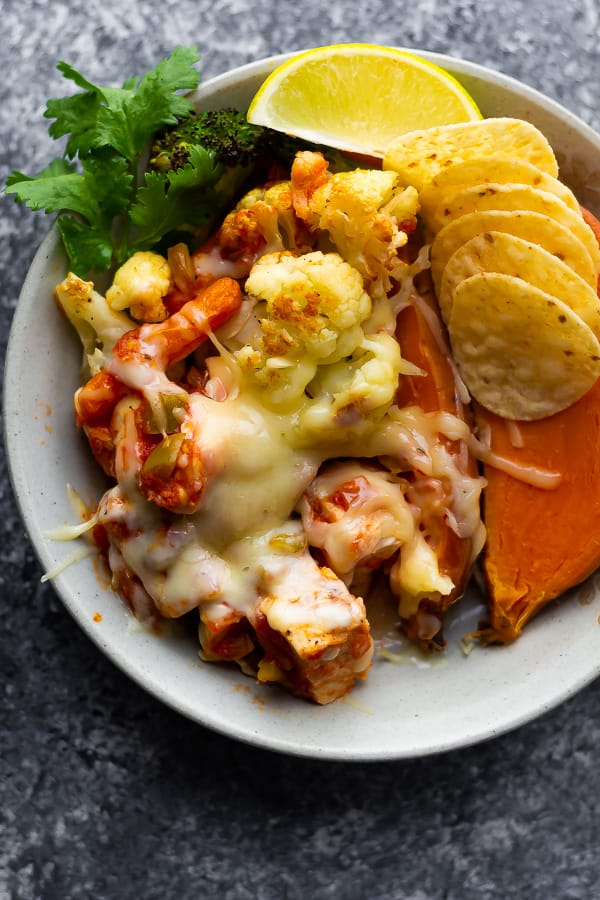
(359, 97)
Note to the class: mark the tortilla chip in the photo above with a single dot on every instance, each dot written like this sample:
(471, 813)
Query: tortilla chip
(557, 239)
(497, 169)
(418, 156)
(522, 353)
(514, 198)
(506, 254)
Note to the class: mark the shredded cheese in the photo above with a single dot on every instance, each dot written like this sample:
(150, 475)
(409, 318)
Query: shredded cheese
(533, 475)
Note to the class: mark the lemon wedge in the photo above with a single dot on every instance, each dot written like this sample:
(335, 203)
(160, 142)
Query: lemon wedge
(359, 97)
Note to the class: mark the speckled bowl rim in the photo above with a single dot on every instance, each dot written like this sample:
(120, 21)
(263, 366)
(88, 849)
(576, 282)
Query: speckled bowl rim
(403, 711)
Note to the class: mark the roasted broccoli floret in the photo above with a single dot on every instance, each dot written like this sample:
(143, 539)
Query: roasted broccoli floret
(225, 132)
(234, 141)
(237, 151)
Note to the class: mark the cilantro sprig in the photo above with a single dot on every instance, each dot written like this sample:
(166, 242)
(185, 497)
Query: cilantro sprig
(106, 211)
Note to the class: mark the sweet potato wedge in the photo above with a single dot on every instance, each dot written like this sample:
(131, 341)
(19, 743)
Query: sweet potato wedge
(541, 542)
(436, 391)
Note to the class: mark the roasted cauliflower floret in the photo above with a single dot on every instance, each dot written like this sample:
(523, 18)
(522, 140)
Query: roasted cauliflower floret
(140, 285)
(361, 386)
(264, 221)
(366, 213)
(309, 311)
(98, 325)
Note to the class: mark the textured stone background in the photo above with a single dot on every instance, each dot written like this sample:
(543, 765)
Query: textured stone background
(106, 794)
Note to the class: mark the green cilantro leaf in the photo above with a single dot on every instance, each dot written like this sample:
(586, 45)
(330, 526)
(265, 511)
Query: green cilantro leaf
(75, 116)
(112, 181)
(107, 131)
(89, 249)
(124, 118)
(55, 193)
(163, 204)
(76, 77)
(154, 104)
(99, 193)
(56, 167)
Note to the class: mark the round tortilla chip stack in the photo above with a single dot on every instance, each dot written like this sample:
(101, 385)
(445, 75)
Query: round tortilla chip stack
(507, 254)
(531, 226)
(419, 156)
(512, 198)
(513, 262)
(523, 353)
(498, 169)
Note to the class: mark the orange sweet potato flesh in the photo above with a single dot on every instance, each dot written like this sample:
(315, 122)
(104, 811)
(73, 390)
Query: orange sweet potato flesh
(432, 393)
(541, 542)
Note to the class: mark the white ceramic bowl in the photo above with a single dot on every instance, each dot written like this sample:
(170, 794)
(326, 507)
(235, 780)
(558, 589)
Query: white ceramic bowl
(404, 710)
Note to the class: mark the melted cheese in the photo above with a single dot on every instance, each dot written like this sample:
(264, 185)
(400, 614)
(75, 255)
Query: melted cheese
(533, 475)
(416, 574)
(356, 515)
(257, 474)
(211, 263)
(259, 467)
(244, 551)
(307, 597)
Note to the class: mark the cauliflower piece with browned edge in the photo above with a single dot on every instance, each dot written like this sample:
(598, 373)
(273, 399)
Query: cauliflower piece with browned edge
(263, 222)
(367, 213)
(309, 311)
(98, 325)
(140, 285)
(358, 387)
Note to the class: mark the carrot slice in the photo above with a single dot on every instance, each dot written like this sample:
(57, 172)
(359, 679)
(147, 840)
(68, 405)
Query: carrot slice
(436, 391)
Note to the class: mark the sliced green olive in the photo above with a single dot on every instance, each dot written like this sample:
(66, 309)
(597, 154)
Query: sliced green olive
(162, 415)
(163, 459)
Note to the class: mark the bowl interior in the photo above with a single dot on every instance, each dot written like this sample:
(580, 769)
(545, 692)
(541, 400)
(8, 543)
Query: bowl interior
(408, 707)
